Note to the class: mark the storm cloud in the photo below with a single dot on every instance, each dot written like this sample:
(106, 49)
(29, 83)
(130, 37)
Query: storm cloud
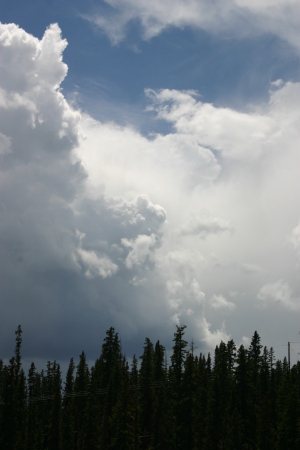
(103, 226)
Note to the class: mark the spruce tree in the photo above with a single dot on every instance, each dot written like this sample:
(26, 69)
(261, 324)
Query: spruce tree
(242, 398)
(81, 403)
(146, 382)
(54, 439)
(67, 409)
(202, 382)
(177, 360)
(14, 401)
(186, 422)
(162, 418)
(254, 358)
(34, 425)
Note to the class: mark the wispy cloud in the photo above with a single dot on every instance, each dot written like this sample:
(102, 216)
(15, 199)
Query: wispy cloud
(234, 18)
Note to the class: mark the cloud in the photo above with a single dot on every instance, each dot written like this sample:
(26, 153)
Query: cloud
(246, 341)
(251, 268)
(202, 226)
(212, 339)
(94, 264)
(222, 130)
(39, 175)
(19, 48)
(220, 302)
(233, 18)
(48, 196)
(5, 144)
(294, 239)
(139, 203)
(278, 292)
(277, 83)
(140, 249)
(97, 265)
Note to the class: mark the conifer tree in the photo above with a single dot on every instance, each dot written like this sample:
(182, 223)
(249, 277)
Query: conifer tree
(122, 431)
(186, 422)
(220, 403)
(34, 427)
(177, 360)
(242, 394)
(81, 403)
(179, 354)
(135, 410)
(14, 399)
(67, 409)
(265, 430)
(146, 382)
(254, 358)
(54, 439)
(111, 377)
(202, 381)
(245, 400)
(162, 418)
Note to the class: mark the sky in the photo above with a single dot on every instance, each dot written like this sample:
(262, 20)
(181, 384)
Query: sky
(149, 174)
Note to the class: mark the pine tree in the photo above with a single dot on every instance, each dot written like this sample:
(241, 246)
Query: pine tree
(135, 409)
(106, 378)
(34, 426)
(220, 404)
(81, 403)
(179, 354)
(67, 409)
(146, 379)
(111, 379)
(55, 416)
(123, 432)
(14, 398)
(265, 429)
(203, 389)
(186, 420)
(254, 358)
(177, 360)
(162, 418)
(242, 395)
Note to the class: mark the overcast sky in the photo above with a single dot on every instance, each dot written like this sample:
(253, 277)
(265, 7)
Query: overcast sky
(150, 173)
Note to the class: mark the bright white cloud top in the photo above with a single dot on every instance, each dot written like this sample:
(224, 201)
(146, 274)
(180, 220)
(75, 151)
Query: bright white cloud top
(104, 225)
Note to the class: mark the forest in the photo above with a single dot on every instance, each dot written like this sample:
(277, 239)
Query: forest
(241, 398)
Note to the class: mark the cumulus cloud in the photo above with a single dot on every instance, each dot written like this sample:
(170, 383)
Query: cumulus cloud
(278, 292)
(140, 249)
(39, 129)
(220, 129)
(139, 204)
(236, 18)
(212, 338)
(221, 175)
(220, 302)
(94, 264)
(97, 265)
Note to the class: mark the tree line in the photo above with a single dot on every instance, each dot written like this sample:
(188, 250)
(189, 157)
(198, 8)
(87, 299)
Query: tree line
(239, 399)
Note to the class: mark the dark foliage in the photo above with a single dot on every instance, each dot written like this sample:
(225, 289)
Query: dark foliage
(243, 399)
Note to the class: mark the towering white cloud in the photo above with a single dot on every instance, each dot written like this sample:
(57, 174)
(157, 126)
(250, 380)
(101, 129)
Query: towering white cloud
(100, 224)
